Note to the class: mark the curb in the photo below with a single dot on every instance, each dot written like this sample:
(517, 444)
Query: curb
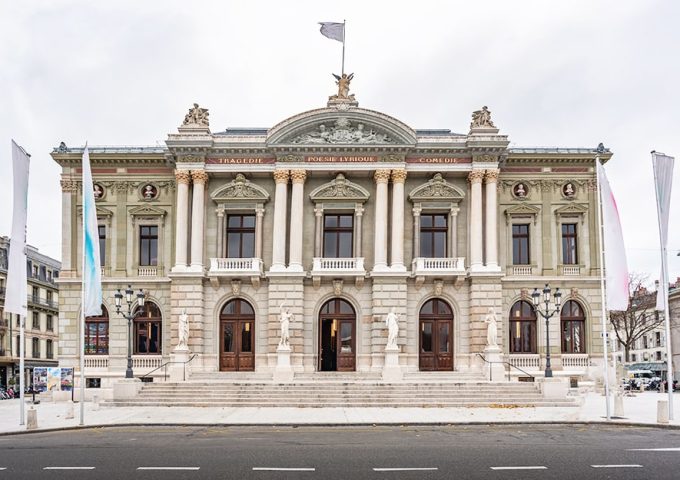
(354, 425)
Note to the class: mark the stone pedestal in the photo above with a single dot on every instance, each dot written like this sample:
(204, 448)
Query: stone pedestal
(177, 367)
(554, 387)
(283, 373)
(618, 405)
(126, 388)
(70, 414)
(31, 419)
(391, 371)
(494, 370)
(661, 412)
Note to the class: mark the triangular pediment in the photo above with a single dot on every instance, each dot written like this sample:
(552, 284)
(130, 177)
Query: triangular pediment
(339, 189)
(147, 211)
(572, 209)
(522, 210)
(240, 189)
(437, 188)
(101, 212)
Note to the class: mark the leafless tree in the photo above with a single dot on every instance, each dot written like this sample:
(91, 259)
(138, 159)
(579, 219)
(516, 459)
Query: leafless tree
(641, 316)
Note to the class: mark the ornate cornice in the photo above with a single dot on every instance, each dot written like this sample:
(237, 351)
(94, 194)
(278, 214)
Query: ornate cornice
(381, 176)
(399, 176)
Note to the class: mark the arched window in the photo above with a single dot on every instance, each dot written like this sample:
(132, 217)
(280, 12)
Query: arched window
(522, 328)
(97, 334)
(573, 328)
(148, 329)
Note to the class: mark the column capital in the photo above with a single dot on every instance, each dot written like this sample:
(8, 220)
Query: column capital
(454, 211)
(298, 176)
(259, 211)
(476, 176)
(183, 176)
(318, 211)
(199, 176)
(69, 186)
(219, 211)
(381, 176)
(417, 209)
(399, 176)
(491, 175)
(358, 210)
(281, 176)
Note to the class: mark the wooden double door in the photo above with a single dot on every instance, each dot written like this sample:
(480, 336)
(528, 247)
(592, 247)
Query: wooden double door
(436, 336)
(237, 337)
(337, 337)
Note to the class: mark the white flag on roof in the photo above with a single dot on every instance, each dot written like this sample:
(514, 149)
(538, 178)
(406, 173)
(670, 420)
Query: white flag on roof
(333, 30)
(663, 180)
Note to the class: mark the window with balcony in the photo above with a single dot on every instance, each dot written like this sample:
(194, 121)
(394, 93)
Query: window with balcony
(569, 244)
(97, 334)
(338, 231)
(148, 245)
(50, 323)
(433, 235)
(102, 245)
(240, 236)
(36, 321)
(35, 293)
(520, 244)
(49, 349)
(573, 328)
(48, 296)
(36, 347)
(522, 328)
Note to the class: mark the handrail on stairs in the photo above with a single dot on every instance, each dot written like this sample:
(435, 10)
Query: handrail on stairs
(165, 371)
(506, 363)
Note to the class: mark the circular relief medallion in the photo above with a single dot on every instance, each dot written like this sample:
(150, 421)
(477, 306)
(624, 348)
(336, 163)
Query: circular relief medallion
(149, 192)
(520, 190)
(99, 191)
(568, 190)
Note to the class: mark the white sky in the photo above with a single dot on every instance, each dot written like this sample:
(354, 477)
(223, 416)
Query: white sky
(569, 74)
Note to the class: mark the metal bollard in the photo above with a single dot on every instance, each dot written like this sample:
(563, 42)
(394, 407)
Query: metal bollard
(662, 411)
(31, 419)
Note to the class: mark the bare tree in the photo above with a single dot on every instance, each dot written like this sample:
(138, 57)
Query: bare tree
(641, 316)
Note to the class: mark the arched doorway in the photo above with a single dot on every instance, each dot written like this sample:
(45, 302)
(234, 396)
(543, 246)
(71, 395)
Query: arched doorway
(337, 338)
(237, 336)
(436, 335)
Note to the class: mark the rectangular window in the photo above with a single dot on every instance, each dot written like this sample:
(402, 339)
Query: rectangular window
(49, 352)
(433, 232)
(36, 321)
(520, 244)
(36, 348)
(50, 324)
(102, 245)
(522, 336)
(658, 356)
(97, 336)
(569, 244)
(35, 293)
(658, 338)
(148, 337)
(633, 357)
(35, 271)
(644, 342)
(338, 234)
(148, 245)
(573, 336)
(240, 236)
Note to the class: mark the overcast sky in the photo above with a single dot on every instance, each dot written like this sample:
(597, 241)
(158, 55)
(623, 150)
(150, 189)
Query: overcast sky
(569, 74)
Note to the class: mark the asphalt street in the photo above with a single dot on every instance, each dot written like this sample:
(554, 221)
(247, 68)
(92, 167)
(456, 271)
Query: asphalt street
(455, 452)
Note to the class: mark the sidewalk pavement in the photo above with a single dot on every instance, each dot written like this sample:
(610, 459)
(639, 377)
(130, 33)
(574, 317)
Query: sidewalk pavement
(640, 409)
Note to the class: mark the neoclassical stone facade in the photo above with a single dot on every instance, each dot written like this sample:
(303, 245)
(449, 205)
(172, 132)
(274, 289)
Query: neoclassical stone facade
(340, 214)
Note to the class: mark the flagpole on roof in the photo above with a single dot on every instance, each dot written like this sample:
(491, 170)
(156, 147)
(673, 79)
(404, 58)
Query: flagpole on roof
(343, 47)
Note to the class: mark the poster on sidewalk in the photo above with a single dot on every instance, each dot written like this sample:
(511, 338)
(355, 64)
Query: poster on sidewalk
(53, 378)
(66, 379)
(40, 379)
(48, 379)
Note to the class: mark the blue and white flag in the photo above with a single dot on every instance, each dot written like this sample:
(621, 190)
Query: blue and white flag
(92, 275)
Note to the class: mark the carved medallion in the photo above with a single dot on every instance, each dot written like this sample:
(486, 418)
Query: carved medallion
(149, 192)
(520, 190)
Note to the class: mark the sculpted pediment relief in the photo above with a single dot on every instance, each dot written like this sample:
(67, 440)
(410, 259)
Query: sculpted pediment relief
(342, 131)
(240, 189)
(572, 209)
(436, 189)
(339, 189)
(522, 210)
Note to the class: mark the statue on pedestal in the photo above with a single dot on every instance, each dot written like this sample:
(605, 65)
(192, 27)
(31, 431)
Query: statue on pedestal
(284, 319)
(392, 322)
(492, 329)
(482, 118)
(183, 331)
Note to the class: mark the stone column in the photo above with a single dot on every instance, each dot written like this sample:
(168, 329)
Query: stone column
(416, 230)
(68, 189)
(199, 178)
(259, 216)
(183, 178)
(380, 246)
(318, 232)
(358, 236)
(491, 234)
(296, 220)
(280, 206)
(475, 179)
(220, 233)
(453, 232)
(398, 179)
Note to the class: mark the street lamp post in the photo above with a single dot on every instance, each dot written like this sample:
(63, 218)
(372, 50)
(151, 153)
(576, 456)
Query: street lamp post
(547, 314)
(129, 316)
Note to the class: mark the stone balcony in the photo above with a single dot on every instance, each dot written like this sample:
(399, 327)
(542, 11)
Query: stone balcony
(236, 267)
(448, 267)
(338, 268)
(570, 270)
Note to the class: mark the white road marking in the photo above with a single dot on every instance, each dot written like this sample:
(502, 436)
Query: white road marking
(168, 468)
(278, 469)
(406, 469)
(526, 467)
(632, 465)
(3, 468)
(68, 468)
(670, 449)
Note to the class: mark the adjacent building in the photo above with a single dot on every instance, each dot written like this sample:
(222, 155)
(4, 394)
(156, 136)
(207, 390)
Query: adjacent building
(42, 328)
(337, 214)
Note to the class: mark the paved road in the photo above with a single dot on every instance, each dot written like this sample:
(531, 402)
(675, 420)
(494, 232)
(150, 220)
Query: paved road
(461, 452)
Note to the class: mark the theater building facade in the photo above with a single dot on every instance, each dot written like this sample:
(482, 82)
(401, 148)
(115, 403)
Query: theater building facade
(337, 215)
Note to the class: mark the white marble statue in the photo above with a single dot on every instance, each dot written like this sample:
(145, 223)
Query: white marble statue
(284, 318)
(392, 322)
(492, 329)
(183, 331)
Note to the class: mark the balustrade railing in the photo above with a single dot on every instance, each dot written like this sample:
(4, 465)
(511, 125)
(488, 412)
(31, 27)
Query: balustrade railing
(350, 264)
(96, 361)
(571, 270)
(530, 361)
(438, 265)
(522, 270)
(580, 360)
(147, 271)
(147, 361)
(218, 265)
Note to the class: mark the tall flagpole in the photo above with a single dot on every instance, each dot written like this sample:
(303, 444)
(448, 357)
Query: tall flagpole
(22, 375)
(343, 48)
(605, 331)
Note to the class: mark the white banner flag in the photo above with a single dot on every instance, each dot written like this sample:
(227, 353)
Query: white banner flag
(663, 181)
(16, 293)
(616, 266)
(92, 277)
(333, 30)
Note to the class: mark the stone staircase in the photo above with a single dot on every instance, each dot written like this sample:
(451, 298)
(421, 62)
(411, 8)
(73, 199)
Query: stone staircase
(342, 390)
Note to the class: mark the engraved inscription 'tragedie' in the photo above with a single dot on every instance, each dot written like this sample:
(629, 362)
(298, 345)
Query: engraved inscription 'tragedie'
(342, 132)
